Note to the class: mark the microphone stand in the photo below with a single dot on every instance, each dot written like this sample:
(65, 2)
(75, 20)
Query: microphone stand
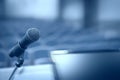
(18, 64)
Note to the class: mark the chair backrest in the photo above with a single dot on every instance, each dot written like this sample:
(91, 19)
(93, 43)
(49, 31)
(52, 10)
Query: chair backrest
(3, 59)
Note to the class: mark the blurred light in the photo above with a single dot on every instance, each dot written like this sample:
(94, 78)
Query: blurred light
(111, 34)
(59, 52)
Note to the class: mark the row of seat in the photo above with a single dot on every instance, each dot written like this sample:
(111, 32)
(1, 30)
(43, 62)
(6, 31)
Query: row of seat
(54, 35)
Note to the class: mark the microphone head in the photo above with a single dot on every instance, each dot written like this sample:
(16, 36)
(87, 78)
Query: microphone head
(33, 34)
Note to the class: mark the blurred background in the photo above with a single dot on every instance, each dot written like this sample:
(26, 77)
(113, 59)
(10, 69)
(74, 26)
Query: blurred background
(65, 25)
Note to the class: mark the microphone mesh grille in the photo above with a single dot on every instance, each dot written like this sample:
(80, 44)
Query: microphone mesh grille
(33, 34)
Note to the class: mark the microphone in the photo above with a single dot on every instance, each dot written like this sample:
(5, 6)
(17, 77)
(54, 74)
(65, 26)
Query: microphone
(31, 36)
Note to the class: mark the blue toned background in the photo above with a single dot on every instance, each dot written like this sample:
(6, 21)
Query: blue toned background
(65, 25)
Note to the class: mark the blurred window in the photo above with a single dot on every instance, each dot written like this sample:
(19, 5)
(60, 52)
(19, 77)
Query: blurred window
(109, 16)
(109, 9)
(42, 9)
(73, 10)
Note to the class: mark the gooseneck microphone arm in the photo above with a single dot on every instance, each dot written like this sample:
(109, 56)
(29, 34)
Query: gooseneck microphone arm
(18, 50)
(18, 64)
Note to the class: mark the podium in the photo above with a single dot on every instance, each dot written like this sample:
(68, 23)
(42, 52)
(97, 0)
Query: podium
(37, 72)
